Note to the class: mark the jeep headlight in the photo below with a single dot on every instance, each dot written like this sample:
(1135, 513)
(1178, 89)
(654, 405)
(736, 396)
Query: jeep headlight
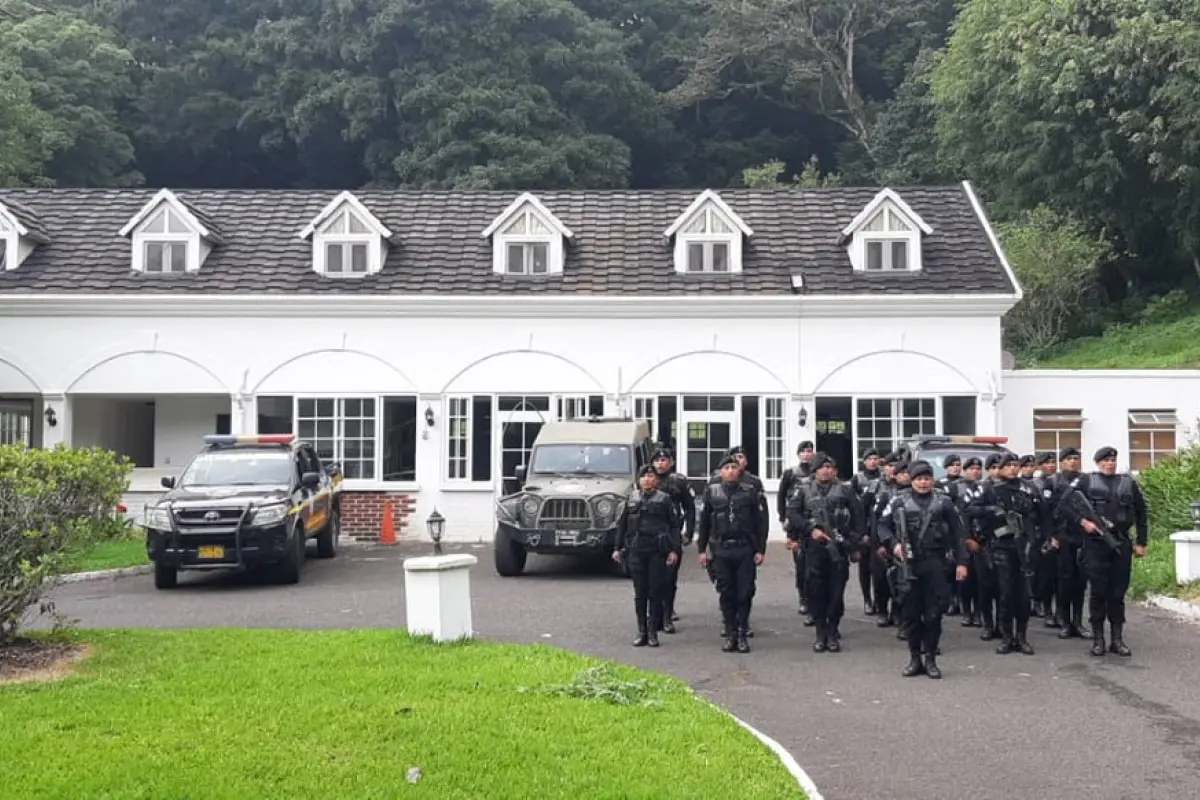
(530, 506)
(605, 510)
(157, 518)
(269, 515)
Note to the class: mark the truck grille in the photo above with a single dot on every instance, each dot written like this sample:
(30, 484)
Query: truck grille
(561, 513)
(197, 520)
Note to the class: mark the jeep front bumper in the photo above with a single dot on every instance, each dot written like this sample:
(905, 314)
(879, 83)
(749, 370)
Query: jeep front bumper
(551, 541)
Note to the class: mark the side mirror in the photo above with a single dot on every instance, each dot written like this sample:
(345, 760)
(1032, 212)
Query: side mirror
(310, 480)
(168, 482)
(519, 473)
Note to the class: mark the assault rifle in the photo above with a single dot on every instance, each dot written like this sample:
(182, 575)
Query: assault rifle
(902, 574)
(824, 520)
(1083, 507)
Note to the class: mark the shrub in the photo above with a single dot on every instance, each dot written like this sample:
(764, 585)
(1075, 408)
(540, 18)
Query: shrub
(1170, 488)
(50, 501)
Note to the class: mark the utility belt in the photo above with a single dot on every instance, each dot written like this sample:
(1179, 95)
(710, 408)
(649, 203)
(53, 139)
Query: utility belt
(725, 543)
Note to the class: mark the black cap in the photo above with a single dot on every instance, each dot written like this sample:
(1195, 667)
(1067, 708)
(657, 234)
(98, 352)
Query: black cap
(871, 451)
(1028, 461)
(902, 466)
(992, 461)
(736, 451)
(972, 461)
(1043, 458)
(820, 460)
(661, 452)
(647, 470)
(918, 468)
(726, 461)
(1004, 459)
(805, 445)
(1105, 452)
(1068, 452)
(950, 460)
(891, 458)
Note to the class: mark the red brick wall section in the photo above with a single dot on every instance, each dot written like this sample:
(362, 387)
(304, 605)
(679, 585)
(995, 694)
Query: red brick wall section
(362, 514)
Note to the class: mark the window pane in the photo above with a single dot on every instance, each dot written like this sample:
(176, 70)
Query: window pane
(1140, 460)
(333, 258)
(695, 262)
(1046, 440)
(541, 256)
(400, 439)
(537, 226)
(516, 260)
(157, 223)
(720, 257)
(697, 225)
(356, 225)
(1139, 440)
(174, 223)
(895, 223)
(899, 255)
(874, 255)
(358, 258)
(154, 256)
(718, 224)
(721, 402)
(876, 223)
(178, 256)
(518, 226)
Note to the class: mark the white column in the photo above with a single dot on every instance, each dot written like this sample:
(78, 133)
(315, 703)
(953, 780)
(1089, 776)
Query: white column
(243, 414)
(437, 596)
(56, 420)
(1187, 556)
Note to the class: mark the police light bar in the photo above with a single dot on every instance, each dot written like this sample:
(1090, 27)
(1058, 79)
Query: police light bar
(978, 439)
(266, 438)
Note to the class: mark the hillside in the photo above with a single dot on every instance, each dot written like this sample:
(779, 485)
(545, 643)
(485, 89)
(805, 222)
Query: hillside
(1153, 345)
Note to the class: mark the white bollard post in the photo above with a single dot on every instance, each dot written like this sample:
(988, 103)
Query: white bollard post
(437, 596)
(1187, 556)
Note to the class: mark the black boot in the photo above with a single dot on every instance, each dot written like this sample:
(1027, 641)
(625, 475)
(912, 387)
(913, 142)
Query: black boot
(1077, 623)
(1098, 640)
(833, 642)
(1051, 619)
(1069, 631)
(915, 667)
(1007, 644)
(884, 620)
(970, 620)
(809, 621)
(743, 646)
(953, 610)
(931, 666)
(1037, 610)
(724, 628)
(652, 632)
(1023, 639)
(989, 631)
(819, 644)
(642, 637)
(1118, 645)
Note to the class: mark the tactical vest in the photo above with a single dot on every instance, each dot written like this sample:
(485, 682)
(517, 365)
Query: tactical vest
(831, 508)
(733, 512)
(1118, 506)
(935, 535)
(650, 520)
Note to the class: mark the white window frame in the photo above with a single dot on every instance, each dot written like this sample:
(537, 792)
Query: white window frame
(639, 404)
(684, 418)
(888, 203)
(765, 437)
(339, 439)
(532, 210)
(1152, 421)
(16, 423)
(731, 240)
(325, 237)
(1058, 415)
(466, 420)
(142, 240)
(897, 418)
(8, 256)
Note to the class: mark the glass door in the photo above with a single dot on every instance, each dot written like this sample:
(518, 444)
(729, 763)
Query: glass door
(710, 427)
(518, 420)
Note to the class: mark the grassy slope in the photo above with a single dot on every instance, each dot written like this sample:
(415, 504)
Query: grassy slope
(339, 714)
(1163, 345)
(108, 555)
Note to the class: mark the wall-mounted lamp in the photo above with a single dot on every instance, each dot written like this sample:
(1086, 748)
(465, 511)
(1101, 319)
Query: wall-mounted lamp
(429, 416)
(803, 419)
(51, 417)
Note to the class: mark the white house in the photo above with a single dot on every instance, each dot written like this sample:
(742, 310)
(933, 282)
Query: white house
(421, 338)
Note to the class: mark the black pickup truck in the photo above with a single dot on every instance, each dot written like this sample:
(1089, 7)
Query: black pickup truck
(242, 503)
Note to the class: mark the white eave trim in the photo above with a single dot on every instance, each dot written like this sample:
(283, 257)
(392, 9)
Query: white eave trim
(886, 196)
(518, 205)
(705, 197)
(360, 211)
(12, 221)
(991, 234)
(166, 196)
(308, 306)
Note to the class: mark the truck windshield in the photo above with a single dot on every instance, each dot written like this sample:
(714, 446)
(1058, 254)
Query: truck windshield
(935, 456)
(599, 459)
(250, 468)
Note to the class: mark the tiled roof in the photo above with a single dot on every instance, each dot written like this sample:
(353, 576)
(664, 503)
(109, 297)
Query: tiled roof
(28, 218)
(437, 248)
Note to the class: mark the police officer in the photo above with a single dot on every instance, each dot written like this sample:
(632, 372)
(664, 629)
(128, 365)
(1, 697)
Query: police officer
(738, 454)
(1045, 571)
(968, 590)
(732, 535)
(825, 517)
(647, 540)
(787, 481)
(983, 557)
(1014, 522)
(888, 611)
(676, 487)
(865, 484)
(1026, 467)
(1067, 541)
(949, 484)
(1117, 499)
(930, 525)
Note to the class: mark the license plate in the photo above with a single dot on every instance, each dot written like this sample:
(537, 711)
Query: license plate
(210, 551)
(567, 537)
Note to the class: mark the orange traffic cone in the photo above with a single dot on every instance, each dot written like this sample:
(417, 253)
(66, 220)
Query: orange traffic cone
(387, 532)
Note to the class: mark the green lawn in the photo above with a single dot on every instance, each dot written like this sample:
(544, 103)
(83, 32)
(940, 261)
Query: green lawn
(340, 714)
(1163, 345)
(109, 555)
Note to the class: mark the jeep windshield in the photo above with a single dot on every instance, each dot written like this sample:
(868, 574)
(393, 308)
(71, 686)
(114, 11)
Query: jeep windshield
(232, 468)
(582, 459)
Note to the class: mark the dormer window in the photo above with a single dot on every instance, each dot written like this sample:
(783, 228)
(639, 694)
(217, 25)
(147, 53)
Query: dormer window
(527, 239)
(348, 240)
(886, 236)
(169, 237)
(20, 232)
(708, 237)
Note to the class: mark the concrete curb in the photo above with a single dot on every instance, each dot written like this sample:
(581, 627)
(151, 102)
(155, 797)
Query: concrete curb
(105, 574)
(786, 758)
(1175, 605)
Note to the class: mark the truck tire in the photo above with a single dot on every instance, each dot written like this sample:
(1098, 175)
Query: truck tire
(327, 540)
(165, 577)
(510, 556)
(289, 570)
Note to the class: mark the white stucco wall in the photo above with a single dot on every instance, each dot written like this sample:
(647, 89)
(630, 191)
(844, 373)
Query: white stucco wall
(1105, 397)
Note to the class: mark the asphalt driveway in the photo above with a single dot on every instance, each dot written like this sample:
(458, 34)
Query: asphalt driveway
(1059, 724)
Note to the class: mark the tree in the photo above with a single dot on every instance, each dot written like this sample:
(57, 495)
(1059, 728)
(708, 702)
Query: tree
(1087, 106)
(770, 175)
(1056, 261)
(23, 150)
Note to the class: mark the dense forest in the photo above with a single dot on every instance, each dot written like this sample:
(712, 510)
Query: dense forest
(1078, 120)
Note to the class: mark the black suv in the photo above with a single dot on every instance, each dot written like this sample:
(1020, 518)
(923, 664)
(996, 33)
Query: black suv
(245, 502)
(934, 448)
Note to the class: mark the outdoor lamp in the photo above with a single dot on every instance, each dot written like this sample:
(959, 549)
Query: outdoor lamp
(803, 416)
(1196, 515)
(429, 416)
(437, 526)
(51, 417)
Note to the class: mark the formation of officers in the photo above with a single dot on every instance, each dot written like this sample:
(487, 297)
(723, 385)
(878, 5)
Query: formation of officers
(997, 543)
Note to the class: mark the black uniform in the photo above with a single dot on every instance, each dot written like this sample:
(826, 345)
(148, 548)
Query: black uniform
(755, 483)
(885, 491)
(1015, 522)
(949, 484)
(1072, 582)
(733, 529)
(1118, 500)
(647, 533)
(865, 484)
(676, 486)
(787, 482)
(1045, 570)
(983, 562)
(968, 590)
(932, 526)
(835, 509)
